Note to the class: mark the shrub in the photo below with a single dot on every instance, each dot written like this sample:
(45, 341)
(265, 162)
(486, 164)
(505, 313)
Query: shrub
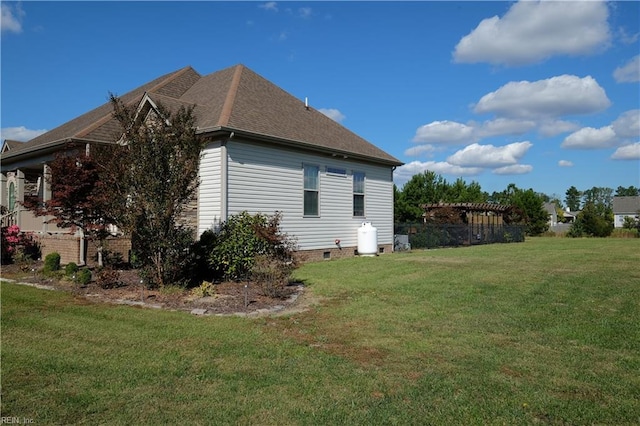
(243, 237)
(70, 269)
(271, 275)
(17, 247)
(108, 278)
(83, 276)
(166, 263)
(51, 263)
(204, 290)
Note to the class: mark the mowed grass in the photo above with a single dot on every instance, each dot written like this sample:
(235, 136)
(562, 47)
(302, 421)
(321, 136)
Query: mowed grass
(541, 332)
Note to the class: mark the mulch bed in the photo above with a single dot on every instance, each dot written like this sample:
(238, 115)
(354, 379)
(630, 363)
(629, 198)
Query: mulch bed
(230, 298)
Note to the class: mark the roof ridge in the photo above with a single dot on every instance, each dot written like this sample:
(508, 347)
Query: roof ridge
(172, 77)
(227, 107)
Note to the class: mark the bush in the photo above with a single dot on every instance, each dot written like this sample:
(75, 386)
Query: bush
(17, 247)
(83, 276)
(243, 237)
(70, 269)
(51, 263)
(271, 275)
(108, 278)
(590, 223)
(166, 263)
(204, 290)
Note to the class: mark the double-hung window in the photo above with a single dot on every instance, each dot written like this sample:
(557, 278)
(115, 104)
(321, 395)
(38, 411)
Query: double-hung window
(311, 190)
(358, 194)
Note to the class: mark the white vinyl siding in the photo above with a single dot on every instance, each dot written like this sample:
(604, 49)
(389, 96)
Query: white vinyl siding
(266, 179)
(210, 190)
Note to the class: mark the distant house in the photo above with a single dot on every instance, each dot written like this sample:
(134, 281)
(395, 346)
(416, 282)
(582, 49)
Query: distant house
(265, 151)
(625, 207)
(550, 208)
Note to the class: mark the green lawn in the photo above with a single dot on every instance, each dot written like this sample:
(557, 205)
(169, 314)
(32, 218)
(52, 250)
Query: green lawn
(541, 332)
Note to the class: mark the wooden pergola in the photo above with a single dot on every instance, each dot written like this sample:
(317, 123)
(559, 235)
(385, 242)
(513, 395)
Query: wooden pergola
(475, 213)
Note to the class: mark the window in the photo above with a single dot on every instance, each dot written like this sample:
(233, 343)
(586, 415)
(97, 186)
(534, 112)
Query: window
(12, 197)
(334, 171)
(358, 194)
(311, 185)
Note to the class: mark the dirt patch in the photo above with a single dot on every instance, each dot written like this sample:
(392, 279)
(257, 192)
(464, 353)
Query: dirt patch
(228, 298)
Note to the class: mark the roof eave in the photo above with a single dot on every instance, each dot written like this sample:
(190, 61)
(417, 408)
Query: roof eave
(214, 130)
(10, 158)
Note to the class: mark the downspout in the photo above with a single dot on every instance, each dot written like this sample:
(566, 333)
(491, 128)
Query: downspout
(224, 180)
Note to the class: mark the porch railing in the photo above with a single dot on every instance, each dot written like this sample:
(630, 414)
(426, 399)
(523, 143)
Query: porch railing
(9, 219)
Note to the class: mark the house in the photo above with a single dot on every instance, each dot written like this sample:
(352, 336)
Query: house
(265, 151)
(625, 207)
(550, 208)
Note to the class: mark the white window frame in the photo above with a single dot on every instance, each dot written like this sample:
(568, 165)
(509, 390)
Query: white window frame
(357, 193)
(306, 189)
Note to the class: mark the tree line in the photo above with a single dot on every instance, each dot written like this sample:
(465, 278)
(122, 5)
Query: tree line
(595, 204)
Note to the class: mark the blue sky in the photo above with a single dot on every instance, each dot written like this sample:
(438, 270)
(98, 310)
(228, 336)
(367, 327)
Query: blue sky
(545, 95)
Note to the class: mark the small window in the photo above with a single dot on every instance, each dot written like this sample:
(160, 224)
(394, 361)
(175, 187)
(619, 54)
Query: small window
(336, 171)
(311, 190)
(358, 194)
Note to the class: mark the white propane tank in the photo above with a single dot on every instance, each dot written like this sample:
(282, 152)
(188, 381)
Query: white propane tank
(367, 240)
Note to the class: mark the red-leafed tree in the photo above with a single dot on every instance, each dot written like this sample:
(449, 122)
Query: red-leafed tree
(82, 194)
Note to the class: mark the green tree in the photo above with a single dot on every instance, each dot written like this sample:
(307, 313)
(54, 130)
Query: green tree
(601, 198)
(429, 187)
(591, 223)
(423, 188)
(631, 191)
(572, 198)
(536, 217)
(158, 170)
(528, 208)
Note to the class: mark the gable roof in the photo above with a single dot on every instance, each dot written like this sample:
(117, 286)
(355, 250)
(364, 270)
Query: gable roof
(234, 99)
(629, 205)
(9, 144)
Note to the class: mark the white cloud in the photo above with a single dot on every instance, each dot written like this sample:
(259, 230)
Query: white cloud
(629, 72)
(627, 125)
(403, 173)
(516, 169)
(590, 138)
(19, 133)
(627, 38)
(333, 114)
(553, 97)
(549, 128)
(476, 155)
(505, 126)
(565, 163)
(270, 5)
(532, 31)
(444, 132)
(627, 152)
(11, 18)
(304, 12)
(422, 150)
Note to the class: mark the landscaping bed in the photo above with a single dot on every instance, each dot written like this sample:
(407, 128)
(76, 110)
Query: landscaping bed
(226, 298)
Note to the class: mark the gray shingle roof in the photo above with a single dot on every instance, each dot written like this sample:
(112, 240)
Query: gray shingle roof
(234, 98)
(628, 205)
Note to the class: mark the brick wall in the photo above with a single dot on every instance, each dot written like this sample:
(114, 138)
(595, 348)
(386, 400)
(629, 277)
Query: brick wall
(66, 245)
(117, 245)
